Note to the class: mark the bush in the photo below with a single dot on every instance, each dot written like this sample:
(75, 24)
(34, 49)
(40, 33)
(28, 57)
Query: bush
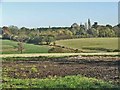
(60, 50)
(116, 50)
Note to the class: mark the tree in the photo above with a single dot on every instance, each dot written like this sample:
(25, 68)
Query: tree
(109, 32)
(105, 31)
(20, 47)
(116, 29)
(74, 25)
(95, 25)
(109, 26)
(6, 33)
(49, 39)
(101, 30)
(82, 30)
(93, 32)
(13, 29)
(22, 35)
(75, 28)
(36, 40)
(1, 30)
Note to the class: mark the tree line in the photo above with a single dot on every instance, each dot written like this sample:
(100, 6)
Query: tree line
(50, 34)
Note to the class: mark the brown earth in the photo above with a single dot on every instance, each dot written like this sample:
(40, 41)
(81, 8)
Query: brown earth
(105, 68)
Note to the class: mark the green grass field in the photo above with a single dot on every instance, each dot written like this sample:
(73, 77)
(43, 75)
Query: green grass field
(83, 44)
(91, 44)
(10, 47)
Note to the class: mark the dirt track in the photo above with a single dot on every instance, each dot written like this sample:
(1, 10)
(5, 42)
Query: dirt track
(54, 54)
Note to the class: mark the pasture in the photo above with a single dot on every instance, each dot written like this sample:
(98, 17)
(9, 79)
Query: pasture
(91, 44)
(11, 47)
(85, 45)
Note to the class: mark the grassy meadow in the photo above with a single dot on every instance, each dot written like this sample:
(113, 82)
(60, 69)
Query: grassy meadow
(91, 44)
(10, 47)
(83, 44)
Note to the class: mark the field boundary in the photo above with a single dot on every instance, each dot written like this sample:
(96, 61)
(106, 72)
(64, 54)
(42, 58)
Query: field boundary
(57, 54)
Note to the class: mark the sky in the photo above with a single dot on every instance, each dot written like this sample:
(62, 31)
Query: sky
(44, 14)
(60, 0)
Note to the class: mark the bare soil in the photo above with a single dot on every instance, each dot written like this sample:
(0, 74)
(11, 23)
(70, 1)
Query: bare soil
(105, 68)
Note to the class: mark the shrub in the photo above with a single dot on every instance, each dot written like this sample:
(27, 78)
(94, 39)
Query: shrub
(60, 50)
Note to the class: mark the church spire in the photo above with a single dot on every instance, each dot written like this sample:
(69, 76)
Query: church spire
(89, 24)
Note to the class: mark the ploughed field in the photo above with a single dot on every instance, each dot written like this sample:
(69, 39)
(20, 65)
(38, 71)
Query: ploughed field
(105, 68)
